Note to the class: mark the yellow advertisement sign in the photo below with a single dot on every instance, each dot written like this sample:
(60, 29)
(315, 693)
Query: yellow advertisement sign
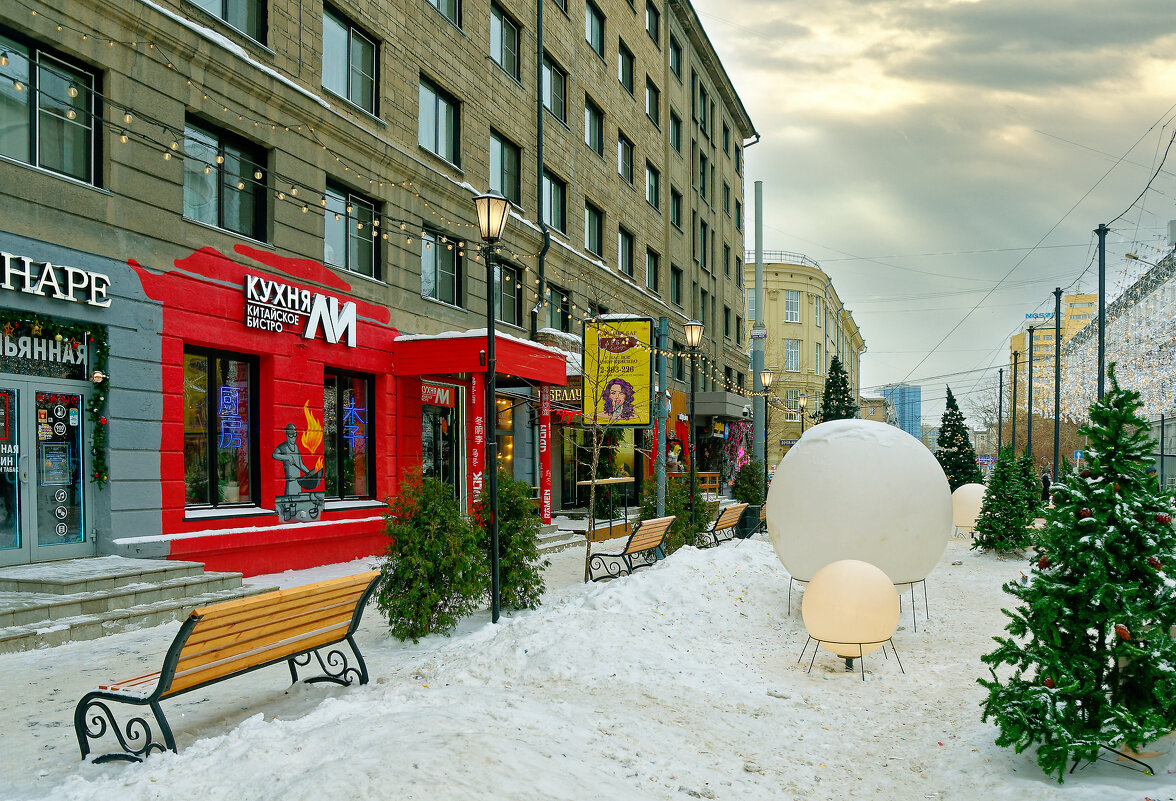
(618, 372)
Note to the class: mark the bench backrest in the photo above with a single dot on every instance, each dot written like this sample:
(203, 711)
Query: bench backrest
(648, 534)
(730, 517)
(235, 636)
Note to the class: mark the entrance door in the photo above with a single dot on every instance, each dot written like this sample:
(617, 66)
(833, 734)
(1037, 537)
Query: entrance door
(441, 441)
(42, 472)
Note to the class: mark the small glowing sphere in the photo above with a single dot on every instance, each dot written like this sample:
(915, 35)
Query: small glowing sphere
(965, 506)
(851, 607)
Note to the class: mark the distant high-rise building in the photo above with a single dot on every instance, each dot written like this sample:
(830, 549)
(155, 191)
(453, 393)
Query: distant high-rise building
(907, 402)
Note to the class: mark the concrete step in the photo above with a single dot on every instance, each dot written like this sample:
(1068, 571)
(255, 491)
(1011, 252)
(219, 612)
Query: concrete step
(71, 576)
(23, 608)
(48, 633)
(561, 541)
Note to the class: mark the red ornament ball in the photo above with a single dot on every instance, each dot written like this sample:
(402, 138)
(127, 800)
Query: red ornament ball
(1121, 632)
(1163, 518)
(1085, 474)
(1043, 563)
(1084, 513)
(1048, 682)
(1154, 563)
(102, 420)
(1116, 488)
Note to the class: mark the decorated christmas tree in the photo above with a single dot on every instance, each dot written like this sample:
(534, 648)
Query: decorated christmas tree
(955, 453)
(1003, 522)
(838, 402)
(1090, 663)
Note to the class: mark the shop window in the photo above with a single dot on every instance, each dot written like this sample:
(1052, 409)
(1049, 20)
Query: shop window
(504, 42)
(247, 16)
(224, 181)
(349, 233)
(47, 112)
(347, 442)
(439, 123)
(349, 61)
(559, 309)
(509, 298)
(441, 269)
(220, 430)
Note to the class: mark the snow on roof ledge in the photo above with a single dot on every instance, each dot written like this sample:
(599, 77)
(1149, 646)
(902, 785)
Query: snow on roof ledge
(479, 333)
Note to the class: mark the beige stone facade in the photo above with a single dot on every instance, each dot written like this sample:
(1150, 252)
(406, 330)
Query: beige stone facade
(1077, 312)
(807, 324)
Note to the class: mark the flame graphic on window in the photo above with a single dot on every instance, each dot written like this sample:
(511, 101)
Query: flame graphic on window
(312, 438)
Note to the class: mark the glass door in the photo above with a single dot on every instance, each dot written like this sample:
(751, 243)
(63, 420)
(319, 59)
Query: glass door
(43, 511)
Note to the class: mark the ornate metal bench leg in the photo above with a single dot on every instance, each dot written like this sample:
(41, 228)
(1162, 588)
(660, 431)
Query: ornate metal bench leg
(93, 718)
(336, 667)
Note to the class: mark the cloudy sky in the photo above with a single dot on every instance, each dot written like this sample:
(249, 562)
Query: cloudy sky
(928, 152)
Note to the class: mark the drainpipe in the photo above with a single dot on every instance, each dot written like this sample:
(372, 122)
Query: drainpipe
(542, 290)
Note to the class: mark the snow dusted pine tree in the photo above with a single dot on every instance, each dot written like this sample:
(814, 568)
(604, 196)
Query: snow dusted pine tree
(838, 402)
(1003, 522)
(1030, 485)
(955, 453)
(1091, 663)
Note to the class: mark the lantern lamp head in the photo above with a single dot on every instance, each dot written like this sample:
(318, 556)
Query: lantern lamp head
(803, 401)
(766, 376)
(493, 212)
(693, 331)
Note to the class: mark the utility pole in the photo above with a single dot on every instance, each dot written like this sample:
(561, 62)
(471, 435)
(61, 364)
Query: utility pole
(1016, 358)
(1029, 392)
(1057, 380)
(1102, 305)
(999, 410)
(759, 415)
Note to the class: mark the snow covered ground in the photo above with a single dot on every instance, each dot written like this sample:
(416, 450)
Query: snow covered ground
(679, 682)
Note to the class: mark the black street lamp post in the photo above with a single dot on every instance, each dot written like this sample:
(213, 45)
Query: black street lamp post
(803, 403)
(766, 377)
(693, 330)
(493, 212)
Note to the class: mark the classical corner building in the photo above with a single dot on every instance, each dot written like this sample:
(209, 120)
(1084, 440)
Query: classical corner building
(243, 293)
(877, 407)
(807, 324)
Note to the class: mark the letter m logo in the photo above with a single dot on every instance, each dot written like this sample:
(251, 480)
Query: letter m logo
(335, 320)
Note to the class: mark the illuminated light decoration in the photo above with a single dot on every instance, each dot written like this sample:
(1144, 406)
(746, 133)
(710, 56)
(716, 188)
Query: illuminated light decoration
(232, 427)
(72, 91)
(354, 423)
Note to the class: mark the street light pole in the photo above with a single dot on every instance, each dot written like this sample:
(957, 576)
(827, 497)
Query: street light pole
(493, 212)
(803, 403)
(999, 410)
(693, 330)
(1016, 356)
(1057, 380)
(1029, 393)
(766, 378)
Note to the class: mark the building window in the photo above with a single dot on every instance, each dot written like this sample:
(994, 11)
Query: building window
(791, 306)
(702, 172)
(702, 307)
(738, 160)
(247, 16)
(750, 295)
(347, 454)
(739, 334)
(451, 9)
(653, 22)
(792, 405)
(726, 139)
(441, 269)
(47, 112)
(676, 285)
(653, 102)
(817, 357)
(559, 309)
(439, 124)
(349, 240)
(625, 66)
(349, 61)
(726, 260)
(703, 242)
(792, 355)
(676, 58)
(505, 168)
(653, 271)
(593, 229)
(726, 198)
(555, 194)
(220, 430)
(504, 42)
(739, 379)
(738, 216)
(817, 311)
(593, 126)
(625, 157)
(728, 377)
(508, 300)
(594, 27)
(738, 271)
(726, 322)
(675, 132)
(652, 186)
(676, 208)
(224, 183)
(702, 101)
(625, 251)
(679, 361)
(555, 89)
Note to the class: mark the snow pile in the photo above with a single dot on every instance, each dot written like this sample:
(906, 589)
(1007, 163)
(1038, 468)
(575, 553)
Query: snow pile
(678, 682)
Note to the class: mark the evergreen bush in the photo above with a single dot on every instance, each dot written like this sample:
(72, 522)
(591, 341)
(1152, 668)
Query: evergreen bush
(749, 483)
(677, 504)
(1089, 662)
(1003, 524)
(435, 569)
(955, 453)
(837, 402)
(520, 568)
(1030, 485)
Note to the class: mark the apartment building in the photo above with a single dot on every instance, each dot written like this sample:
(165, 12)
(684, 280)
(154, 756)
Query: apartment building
(243, 293)
(1077, 312)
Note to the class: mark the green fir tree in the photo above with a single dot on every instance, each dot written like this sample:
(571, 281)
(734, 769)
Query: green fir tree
(1030, 485)
(521, 583)
(837, 402)
(1002, 524)
(955, 453)
(1090, 662)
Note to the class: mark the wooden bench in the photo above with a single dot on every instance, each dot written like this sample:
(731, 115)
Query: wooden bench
(229, 639)
(722, 528)
(640, 550)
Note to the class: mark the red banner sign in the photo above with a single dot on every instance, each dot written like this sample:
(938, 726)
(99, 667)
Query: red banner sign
(477, 442)
(545, 454)
(437, 396)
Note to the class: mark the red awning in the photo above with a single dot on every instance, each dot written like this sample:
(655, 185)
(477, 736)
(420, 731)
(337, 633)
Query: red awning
(446, 354)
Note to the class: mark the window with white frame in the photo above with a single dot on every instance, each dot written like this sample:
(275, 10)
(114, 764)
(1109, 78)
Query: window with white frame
(555, 195)
(559, 308)
(653, 102)
(791, 306)
(594, 27)
(47, 112)
(505, 168)
(676, 58)
(653, 22)
(792, 355)
(625, 251)
(555, 89)
(441, 269)
(349, 240)
(451, 9)
(349, 61)
(625, 66)
(625, 157)
(504, 42)
(792, 405)
(817, 310)
(652, 186)
(439, 123)
(247, 16)
(593, 229)
(593, 126)
(509, 297)
(224, 180)
(817, 357)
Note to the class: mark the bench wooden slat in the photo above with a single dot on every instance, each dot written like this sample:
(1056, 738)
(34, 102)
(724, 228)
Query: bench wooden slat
(648, 535)
(730, 516)
(308, 594)
(216, 628)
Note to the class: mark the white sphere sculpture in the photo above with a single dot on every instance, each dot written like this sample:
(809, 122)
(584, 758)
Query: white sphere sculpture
(965, 506)
(859, 489)
(851, 607)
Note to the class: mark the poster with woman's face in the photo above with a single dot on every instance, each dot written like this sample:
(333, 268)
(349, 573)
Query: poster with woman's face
(618, 372)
